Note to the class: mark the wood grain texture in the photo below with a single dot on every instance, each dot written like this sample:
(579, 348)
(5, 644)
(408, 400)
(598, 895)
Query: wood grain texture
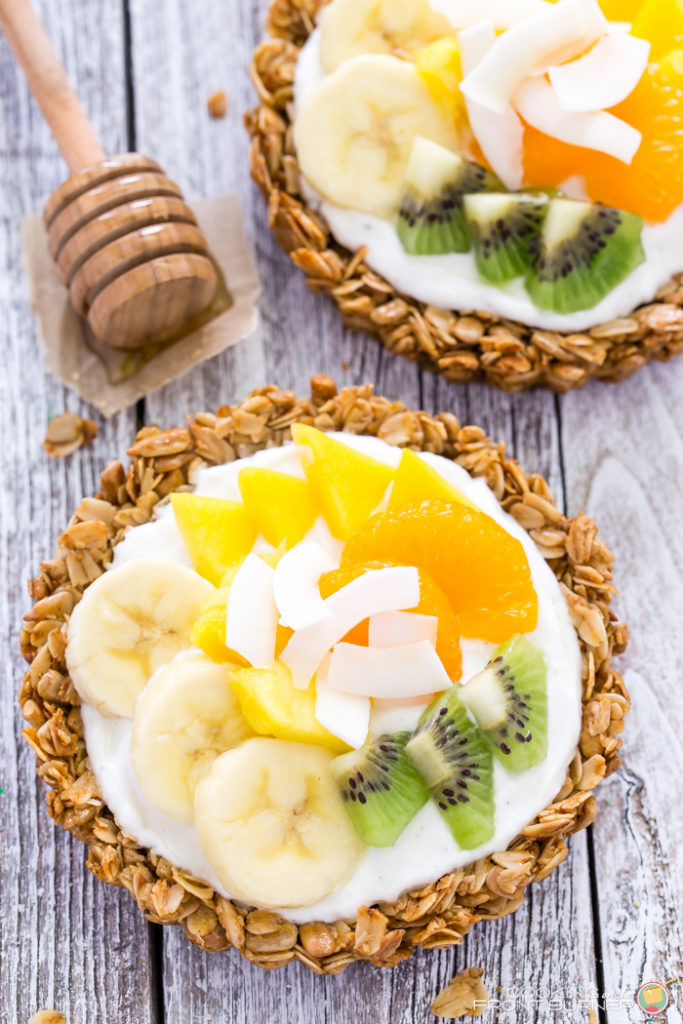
(627, 467)
(65, 940)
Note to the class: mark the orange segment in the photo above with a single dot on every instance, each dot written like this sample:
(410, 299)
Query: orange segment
(416, 480)
(433, 601)
(481, 569)
(347, 485)
(652, 185)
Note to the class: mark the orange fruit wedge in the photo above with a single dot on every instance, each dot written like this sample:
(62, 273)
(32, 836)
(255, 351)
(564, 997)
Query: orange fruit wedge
(481, 569)
(432, 602)
(652, 185)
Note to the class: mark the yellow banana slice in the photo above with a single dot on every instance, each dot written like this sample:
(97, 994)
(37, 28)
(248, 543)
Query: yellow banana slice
(354, 132)
(129, 622)
(184, 718)
(272, 824)
(397, 27)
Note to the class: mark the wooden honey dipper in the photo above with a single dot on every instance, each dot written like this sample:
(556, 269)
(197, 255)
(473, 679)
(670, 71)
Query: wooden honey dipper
(126, 244)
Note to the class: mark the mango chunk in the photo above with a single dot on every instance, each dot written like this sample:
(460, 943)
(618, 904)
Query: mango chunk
(347, 485)
(274, 707)
(216, 533)
(280, 506)
(416, 481)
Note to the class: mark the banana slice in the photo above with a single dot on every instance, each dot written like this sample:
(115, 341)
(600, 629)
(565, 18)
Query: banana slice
(272, 824)
(354, 132)
(129, 622)
(184, 718)
(397, 27)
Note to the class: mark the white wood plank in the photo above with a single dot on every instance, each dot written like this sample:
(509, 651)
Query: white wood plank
(66, 940)
(624, 462)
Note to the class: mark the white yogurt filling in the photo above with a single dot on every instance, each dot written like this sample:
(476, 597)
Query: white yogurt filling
(452, 281)
(426, 850)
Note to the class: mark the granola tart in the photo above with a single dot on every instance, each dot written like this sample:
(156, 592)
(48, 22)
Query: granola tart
(433, 916)
(462, 345)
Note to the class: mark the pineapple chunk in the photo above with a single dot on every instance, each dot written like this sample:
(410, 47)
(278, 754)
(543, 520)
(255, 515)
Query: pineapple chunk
(347, 485)
(280, 506)
(216, 533)
(416, 481)
(274, 707)
(439, 67)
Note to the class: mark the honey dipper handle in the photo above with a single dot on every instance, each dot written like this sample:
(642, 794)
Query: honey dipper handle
(47, 81)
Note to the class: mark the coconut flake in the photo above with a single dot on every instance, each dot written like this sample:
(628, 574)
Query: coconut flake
(391, 629)
(500, 136)
(605, 76)
(344, 715)
(295, 584)
(380, 590)
(252, 616)
(537, 103)
(565, 28)
(503, 13)
(410, 670)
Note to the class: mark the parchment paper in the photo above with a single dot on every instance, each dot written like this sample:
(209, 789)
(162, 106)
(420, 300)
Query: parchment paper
(94, 371)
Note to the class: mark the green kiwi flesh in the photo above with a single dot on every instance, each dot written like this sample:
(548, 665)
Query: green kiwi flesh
(457, 765)
(431, 220)
(509, 700)
(380, 788)
(504, 228)
(584, 251)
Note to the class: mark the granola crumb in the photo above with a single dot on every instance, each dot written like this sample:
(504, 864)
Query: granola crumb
(47, 1017)
(68, 432)
(217, 104)
(466, 995)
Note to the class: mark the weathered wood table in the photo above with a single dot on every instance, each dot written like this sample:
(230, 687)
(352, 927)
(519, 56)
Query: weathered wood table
(611, 916)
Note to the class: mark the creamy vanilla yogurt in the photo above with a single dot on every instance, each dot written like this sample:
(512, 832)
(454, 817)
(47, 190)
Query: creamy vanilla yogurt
(425, 850)
(452, 281)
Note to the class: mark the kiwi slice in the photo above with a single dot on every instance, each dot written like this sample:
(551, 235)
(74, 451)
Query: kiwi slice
(380, 788)
(509, 700)
(504, 227)
(584, 251)
(431, 219)
(456, 763)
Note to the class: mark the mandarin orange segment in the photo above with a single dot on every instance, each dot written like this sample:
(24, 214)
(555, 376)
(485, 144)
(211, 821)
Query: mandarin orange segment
(433, 602)
(652, 185)
(481, 569)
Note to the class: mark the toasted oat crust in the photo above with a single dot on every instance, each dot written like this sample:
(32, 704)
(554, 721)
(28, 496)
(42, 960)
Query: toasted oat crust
(461, 346)
(439, 914)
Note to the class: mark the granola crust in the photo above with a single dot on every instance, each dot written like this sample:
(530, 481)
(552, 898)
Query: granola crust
(439, 914)
(461, 346)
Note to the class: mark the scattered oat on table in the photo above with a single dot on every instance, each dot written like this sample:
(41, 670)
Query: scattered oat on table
(593, 1017)
(47, 1017)
(466, 995)
(218, 104)
(68, 432)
